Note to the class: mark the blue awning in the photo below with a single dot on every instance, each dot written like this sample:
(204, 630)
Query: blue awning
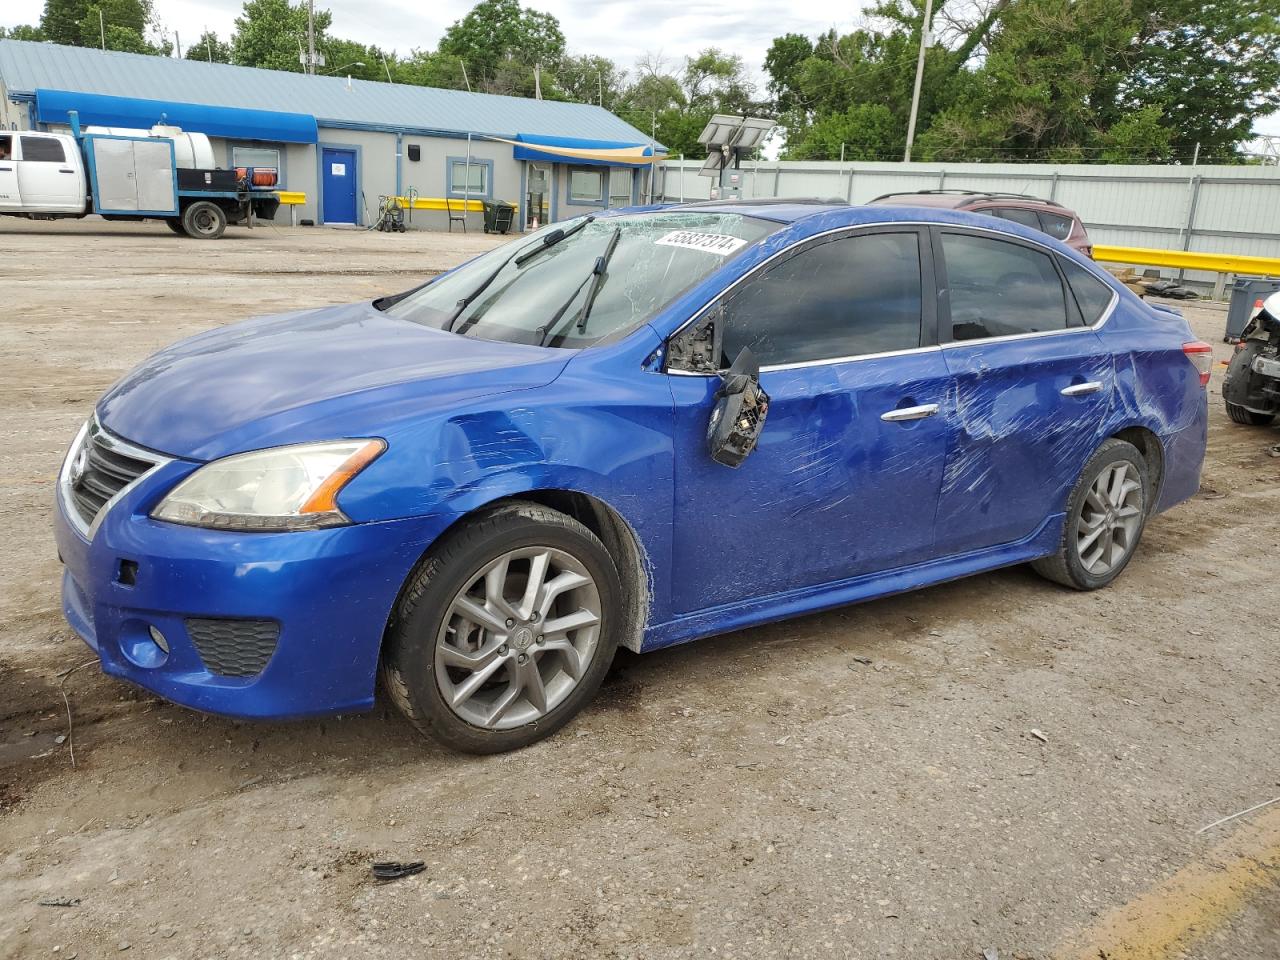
(595, 153)
(236, 123)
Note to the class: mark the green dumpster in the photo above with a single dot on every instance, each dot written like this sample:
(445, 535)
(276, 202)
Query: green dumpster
(498, 216)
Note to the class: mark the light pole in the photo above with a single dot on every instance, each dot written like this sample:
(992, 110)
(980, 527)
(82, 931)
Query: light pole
(353, 63)
(915, 93)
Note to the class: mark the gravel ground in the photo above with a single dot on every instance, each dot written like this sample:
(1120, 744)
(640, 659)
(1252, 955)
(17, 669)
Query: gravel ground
(762, 794)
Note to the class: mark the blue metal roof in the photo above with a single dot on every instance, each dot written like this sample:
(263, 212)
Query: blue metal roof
(53, 106)
(26, 66)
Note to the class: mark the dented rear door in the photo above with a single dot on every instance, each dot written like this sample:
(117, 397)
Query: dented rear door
(1028, 407)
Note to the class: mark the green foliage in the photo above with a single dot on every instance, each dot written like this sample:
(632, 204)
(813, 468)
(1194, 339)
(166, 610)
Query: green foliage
(1132, 80)
(60, 22)
(271, 33)
(675, 108)
(23, 31)
(501, 43)
(209, 48)
(589, 79)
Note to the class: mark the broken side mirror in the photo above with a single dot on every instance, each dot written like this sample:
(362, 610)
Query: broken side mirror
(738, 415)
(700, 348)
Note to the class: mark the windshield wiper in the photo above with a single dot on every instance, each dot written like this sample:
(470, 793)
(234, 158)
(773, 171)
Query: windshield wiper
(551, 239)
(595, 279)
(520, 258)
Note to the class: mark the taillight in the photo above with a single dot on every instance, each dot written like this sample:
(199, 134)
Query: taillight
(1201, 356)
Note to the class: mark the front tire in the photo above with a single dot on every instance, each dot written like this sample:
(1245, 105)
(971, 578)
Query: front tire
(1106, 513)
(1246, 416)
(204, 220)
(505, 631)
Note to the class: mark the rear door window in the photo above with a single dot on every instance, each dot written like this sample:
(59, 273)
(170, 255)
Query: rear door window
(1092, 295)
(998, 289)
(847, 297)
(44, 149)
(1027, 218)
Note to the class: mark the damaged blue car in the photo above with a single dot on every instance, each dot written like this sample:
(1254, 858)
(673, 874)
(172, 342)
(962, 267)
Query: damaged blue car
(632, 429)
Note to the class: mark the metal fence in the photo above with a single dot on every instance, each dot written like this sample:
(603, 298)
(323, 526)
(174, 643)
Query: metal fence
(1209, 209)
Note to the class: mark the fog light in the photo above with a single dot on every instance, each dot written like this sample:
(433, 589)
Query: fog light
(159, 639)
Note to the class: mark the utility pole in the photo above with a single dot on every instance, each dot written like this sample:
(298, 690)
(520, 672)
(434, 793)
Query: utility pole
(463, 64)
(387, 68)
(311, 37)
(102, 29)
(600, 81)
(177, 42)
(537, 81)
(208, 44)
(925, 41)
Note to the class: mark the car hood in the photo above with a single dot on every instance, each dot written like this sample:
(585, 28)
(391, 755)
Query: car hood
(316, 375)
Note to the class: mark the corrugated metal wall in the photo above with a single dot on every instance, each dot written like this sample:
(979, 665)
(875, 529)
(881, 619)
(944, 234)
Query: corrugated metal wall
(1214, 209)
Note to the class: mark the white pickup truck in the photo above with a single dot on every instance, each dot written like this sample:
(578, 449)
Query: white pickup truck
(158, 174)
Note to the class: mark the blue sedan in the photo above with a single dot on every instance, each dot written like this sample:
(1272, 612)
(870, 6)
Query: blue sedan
(631, 429)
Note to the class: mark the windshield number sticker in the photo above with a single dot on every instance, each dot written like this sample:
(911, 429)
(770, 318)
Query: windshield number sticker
(721, 246)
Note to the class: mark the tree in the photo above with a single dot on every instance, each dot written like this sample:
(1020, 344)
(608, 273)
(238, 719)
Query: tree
(60, 22)
(209, 47)
(23, 31)
(426, 68)
(589, 79)
(500, 43)
(272, 33)
(676, 108)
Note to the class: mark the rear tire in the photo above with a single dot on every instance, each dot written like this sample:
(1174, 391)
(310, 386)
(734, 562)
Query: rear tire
(204, 220)
(1246, 416)
(477, 660)
(1106, 513)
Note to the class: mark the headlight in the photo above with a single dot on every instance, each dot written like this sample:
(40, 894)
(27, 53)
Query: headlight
(285, 488)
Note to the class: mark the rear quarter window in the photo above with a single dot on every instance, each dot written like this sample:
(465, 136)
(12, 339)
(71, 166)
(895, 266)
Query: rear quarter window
(1056, 225)
(1093, 296)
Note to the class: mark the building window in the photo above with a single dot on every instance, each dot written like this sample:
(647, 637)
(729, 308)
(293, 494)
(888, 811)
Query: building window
(586, 185)
(260, 158)
(469, 180)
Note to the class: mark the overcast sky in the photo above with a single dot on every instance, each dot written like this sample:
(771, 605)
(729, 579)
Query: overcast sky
(621, 31)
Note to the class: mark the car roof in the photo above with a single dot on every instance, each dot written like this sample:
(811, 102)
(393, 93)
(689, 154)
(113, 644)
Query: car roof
(836, 214)
(958, 199)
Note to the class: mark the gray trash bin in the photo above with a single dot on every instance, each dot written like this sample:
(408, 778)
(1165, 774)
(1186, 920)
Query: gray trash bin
(1247, 294)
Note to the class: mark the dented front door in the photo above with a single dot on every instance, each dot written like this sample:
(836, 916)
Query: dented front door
(844, 480)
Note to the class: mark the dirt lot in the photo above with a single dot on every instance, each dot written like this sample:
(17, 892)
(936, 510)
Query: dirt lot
(764, 794)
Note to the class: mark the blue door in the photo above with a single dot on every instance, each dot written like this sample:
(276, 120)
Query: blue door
(338, 186)
(1033, 386)
(846, 476)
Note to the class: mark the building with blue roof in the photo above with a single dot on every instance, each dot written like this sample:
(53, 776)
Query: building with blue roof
(345, 142)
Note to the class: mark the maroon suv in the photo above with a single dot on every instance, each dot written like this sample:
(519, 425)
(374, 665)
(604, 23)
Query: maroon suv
(1043, 215)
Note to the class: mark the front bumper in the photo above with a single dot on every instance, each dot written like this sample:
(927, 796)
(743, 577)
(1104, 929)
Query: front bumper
(330, 592)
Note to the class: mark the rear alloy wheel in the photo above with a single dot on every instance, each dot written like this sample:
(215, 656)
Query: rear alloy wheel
(505, 631)
(204, 220)
(1106, 513)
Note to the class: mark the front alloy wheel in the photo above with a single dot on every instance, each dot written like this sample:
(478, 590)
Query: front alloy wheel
(505, 630)
(517, 638)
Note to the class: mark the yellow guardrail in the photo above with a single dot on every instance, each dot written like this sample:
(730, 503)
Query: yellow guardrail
(456, 204)
(292, 198)
(1190, 260)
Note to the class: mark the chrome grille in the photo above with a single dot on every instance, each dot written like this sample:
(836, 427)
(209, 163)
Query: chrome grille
(99, 468)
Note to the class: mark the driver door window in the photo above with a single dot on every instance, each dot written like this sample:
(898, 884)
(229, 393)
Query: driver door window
(846, 297)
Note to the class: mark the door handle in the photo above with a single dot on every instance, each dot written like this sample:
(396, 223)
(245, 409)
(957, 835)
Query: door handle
(910, 413)
(6, 169)
(1080, 389)
(66, 170)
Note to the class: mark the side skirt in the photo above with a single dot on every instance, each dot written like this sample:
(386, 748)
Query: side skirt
(806, 600)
